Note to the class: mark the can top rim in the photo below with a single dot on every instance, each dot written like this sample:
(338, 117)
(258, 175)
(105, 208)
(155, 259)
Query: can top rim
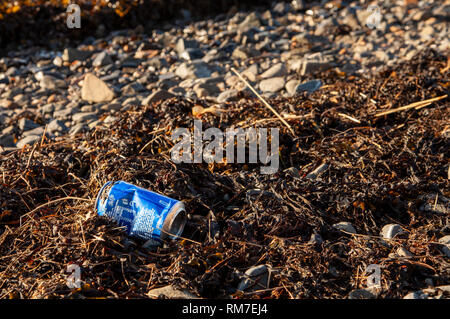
(172, 216)
(97, 200)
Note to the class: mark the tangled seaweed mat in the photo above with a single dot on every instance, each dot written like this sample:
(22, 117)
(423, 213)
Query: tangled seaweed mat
(391, 169)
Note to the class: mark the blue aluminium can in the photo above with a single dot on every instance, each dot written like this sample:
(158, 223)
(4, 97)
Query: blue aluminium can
(146, 215)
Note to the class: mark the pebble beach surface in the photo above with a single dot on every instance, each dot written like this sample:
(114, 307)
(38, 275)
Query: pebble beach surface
(280, 50)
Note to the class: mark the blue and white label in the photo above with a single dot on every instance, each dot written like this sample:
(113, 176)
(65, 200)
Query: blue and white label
(142, 212)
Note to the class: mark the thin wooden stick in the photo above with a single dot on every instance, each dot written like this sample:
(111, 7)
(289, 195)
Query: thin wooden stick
(350, 118)
(416, 105)
(43, 135)
(287, 117)
(31, 155)
(264, 101)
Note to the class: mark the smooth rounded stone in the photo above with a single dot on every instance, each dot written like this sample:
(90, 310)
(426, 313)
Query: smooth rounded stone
(192, 54)
(293, 86)
(201, 92)
(146, 79)
(110, 119)
(427, 32)
(102, 59)
(129, 62)
(45, 62)
(165, 84)
(429, 293)
(132, 88)
(56, 126)
(74, 66)
(281, 8)
(21, 99)
(36, 131)
(6, 140)
(198, 69)
(244, 53)
(51, 83)
(177, 90)
(10, 94)
(65, 112)
(95, 90)
(264, 45)
(9, 130)
(251, 73)
(214, 55)
(111, 107)
(84, 117)
(4, 79)
(28, 140)
(131, 101)
(309, 86)
(363, 16)
(183, 44)
(309, 67)
(445, 241)
(233, 81)
(216, 79)
(188, 83)
(78, 128)
(121, 82)
(389, 231)
(89, 108)
(70, 55)
(58, 61)
(416, 295)
(171, 293)
(7, 104)
(256, 278)
(94, 124)
(251, 21)
(381, 55)
(47, 108)
(346, 227)
(361, 294)
(157, 63)
(206, 89)
(157, 96)
(350, 19)
(277, 70)
(12, 71)
(269, 95)
(228, 96)
(26, 124)
(272, 85)
(323, 27)
(166, 76)
(112, 76)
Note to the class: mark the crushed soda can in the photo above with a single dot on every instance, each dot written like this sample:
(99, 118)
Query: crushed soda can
(146, 215)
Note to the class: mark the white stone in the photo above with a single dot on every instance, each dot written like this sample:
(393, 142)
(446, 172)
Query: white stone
(95, 90)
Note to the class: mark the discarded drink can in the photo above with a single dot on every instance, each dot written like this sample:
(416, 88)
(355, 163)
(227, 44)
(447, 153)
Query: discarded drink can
(146, 215)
